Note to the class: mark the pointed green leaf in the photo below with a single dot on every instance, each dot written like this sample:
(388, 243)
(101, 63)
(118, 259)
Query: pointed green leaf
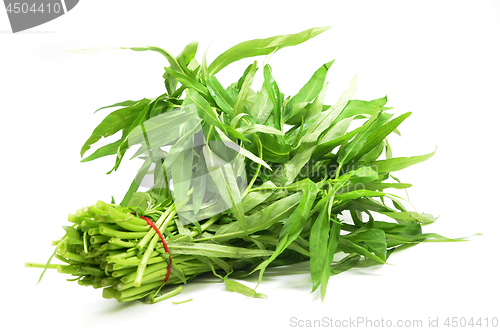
(229, 143)
(318, 245)
(273, 91)
(245, 87)
(220, 95)
(399, 163)
(224, 178)
(261, 47)
(182, 171)
(379, 135)
(188, 82)
(307, 143)
(253, 128)
(114, 122)
(206, 112)
(312, 88)
(234, 286)
(333, 241)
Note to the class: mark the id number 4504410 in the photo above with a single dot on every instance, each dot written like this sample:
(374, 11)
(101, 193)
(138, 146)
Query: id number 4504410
(454, 322)
(20, 7)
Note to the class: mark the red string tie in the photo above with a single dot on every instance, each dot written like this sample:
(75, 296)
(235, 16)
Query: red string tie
(164, 245)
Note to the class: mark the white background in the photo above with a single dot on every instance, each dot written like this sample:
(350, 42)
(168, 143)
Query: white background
(438, 59)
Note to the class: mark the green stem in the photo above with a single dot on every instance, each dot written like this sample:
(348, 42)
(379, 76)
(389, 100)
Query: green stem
(137, 291)
(133, 227)
(40, 265)
(85, 242)
(134, 263)
(121, 256)
(180, 302)
(107, 231)
(119, 242)
(254, 178)
(109, 293)
(167, 295)
(149, 269)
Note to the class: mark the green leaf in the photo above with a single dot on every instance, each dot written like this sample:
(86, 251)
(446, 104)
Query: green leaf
(262, 108)
(358, 194)
(333, 241)
(160, 190)
(261, 220)
(349, 246)
(374, 239)
(219, 94)
(224, 178)
(188, 82)
(373, 154)
(261, 47)
(199, 184)
(124, 146)
(229, 143)
(334, 135)
(126, 103)
(308, 93)
(318, 245)
(216, 250)
(381, 186)
(108, 149)
(173, 61)
(236, 120)
(323, 121)
(206, 112)
(352, 148)
(187, 54)
(234, 286)
(307, 143)
(309, 111)
(410, 216)
(364, 175)
(273, 91)
(182, 171)
(272, 150)
(345, 264)
(163, 129)
(114, 122)
(312, 88)
(245, 88)
(379, 135)
(137, 180)
(294, 224)
(253, 128)
(255, 198)
(139, 199)
(361, 108)
(398, 163)
(239, 84)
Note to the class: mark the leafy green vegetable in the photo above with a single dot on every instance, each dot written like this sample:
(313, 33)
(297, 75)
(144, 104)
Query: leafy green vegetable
(235, 190)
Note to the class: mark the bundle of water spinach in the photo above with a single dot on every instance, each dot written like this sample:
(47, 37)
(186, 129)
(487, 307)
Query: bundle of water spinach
(236, 180)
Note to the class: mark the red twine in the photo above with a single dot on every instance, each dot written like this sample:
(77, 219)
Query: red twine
(164, 245)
